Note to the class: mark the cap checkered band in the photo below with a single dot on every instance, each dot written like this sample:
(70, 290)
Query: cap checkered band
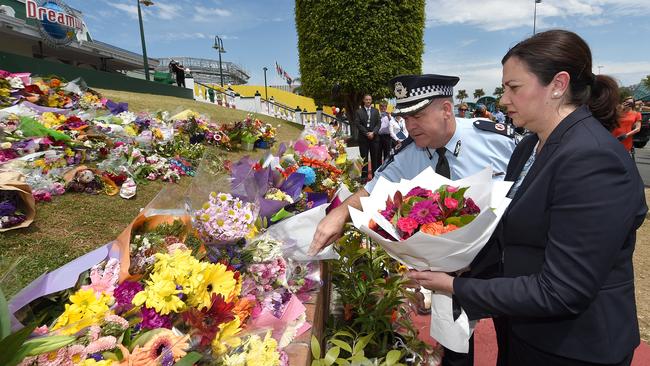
(427, 91)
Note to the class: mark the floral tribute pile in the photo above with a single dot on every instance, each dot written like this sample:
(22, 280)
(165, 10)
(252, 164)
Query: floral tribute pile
(49, 126)
(211, 287)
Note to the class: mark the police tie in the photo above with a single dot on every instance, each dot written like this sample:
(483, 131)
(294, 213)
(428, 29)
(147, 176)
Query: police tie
(442, 168)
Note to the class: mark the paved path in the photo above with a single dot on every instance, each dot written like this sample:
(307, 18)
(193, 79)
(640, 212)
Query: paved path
(643, 163)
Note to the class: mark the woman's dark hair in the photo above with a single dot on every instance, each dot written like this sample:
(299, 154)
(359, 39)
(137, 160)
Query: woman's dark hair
(547, 53)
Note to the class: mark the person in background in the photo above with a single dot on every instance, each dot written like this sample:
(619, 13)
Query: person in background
(566, 241)
(629, 124)
(398, 132)
(385, 140)
(462, 110)
(482, 112)
(499, 116)
(367, 121)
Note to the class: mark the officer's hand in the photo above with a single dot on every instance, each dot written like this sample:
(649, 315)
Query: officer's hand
(370, 135)
(621, 137)
(435, 281)
(328, 231)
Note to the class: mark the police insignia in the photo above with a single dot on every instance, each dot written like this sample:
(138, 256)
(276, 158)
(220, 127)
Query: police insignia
(400, 90)
(500, 128)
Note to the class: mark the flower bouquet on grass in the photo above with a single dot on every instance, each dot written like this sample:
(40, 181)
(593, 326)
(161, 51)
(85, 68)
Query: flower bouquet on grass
(429, 223)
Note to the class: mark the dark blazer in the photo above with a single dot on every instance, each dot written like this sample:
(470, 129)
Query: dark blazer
(567, 241)
(361, 118)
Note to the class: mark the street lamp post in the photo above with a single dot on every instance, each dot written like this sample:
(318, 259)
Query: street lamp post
(218, 45)
(599, 68)
(144, 46)
(535, 15)
(266, 91)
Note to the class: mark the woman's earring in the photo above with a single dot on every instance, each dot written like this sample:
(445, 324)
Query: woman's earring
(556, 94)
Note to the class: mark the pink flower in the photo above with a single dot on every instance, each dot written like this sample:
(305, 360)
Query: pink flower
(102, 344)
(425, 212)
(451, 203)
(452, 189)
(40, 331)
(407, 225)
(104, 280)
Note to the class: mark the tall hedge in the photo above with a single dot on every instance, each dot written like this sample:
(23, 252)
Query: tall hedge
(351, 47)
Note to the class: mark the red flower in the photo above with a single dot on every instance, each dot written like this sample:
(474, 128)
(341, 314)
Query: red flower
(207, 320)
(407, 225)
(451, 203)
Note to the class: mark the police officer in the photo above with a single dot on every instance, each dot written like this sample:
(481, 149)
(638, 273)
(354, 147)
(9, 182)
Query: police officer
(454, 147)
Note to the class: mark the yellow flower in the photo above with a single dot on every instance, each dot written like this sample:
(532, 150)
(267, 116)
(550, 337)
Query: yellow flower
(92, 362)
(85, 309)
(157, 134)
(263, 352)
(40, 163)
(160, 294)
(217, 279)
(130, 130)
(227, 337)
(341, 159)
(181, 267)
(311, 139)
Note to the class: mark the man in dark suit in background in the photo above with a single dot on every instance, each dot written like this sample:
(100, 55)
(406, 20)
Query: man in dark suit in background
(366, 118)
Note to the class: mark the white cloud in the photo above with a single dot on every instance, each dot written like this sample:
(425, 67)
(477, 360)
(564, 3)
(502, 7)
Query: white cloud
(167, 11)
(131, 10)
(203, 14)
(493, 15)
(184, 36)
(467, 42)
(626, 73)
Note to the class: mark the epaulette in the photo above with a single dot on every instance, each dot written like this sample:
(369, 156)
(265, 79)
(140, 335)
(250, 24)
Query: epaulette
(391, 158)
(496, 127)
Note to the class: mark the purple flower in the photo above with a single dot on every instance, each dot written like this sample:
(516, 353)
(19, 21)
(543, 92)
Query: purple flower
(425, 212)
(152, 320)
(470, 208)
(124, 294)
(419, 192)
(7, 208)
(390, 210)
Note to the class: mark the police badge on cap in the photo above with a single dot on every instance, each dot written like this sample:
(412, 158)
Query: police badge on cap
(414, 92)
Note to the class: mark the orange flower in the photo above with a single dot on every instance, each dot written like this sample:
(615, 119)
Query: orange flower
(437, 228)
(55, 83)
(243, 308)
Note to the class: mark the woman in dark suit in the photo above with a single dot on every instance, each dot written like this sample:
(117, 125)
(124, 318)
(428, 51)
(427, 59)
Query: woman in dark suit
(566, 284)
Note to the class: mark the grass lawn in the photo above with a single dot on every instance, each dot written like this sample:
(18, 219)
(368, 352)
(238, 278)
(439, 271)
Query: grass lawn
(73, 224)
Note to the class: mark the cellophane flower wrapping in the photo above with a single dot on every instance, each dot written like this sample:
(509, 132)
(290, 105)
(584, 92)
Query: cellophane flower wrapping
(448, 252)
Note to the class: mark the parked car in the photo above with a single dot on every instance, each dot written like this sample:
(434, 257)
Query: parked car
(641, 138)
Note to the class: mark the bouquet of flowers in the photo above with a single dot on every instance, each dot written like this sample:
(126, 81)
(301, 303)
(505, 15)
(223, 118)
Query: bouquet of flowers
(225, 219)
(429, 224)
(432, 212)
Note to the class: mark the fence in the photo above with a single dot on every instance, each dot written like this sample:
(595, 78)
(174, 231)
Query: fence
(257, 104)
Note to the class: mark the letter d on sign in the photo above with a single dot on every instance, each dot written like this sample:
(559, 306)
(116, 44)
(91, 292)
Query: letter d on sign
(31, 8)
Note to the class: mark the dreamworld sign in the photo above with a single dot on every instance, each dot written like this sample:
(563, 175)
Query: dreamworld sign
(57, 22)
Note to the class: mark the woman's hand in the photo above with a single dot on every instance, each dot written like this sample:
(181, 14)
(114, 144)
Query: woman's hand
(435, 281)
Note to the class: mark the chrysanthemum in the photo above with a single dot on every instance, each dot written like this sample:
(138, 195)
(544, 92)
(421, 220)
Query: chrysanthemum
(424, 212)
(227, 337)
(85, 309)
(161, 294)
(53, 358)
(102, 344)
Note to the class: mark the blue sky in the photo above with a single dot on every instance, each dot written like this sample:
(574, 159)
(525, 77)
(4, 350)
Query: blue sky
(462, 37)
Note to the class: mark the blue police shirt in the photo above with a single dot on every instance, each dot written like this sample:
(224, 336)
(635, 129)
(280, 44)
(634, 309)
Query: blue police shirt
(469, 151)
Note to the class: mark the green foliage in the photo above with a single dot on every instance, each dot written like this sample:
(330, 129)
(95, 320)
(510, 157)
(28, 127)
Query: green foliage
(351, 47)
(461, 95)
(498, 92)
(624, 92)
(478, 93)
(349, 348)
(646, 81)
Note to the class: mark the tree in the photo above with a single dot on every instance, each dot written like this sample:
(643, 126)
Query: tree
(624, 92)
(646, 81)
(461, 95)
(348, 48)
(498, 92)
(478, 93)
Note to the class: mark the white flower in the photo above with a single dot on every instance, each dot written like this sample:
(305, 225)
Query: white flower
(16, 82)
(5, 145)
